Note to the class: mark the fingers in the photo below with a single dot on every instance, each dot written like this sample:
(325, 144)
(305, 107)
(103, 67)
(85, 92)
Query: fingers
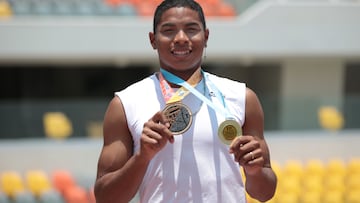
(246, 150)
(156, 130)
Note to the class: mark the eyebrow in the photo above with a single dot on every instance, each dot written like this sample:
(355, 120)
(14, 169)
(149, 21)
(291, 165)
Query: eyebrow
(169, 24)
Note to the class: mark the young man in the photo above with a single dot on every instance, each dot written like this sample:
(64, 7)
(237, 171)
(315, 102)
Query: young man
(182, 134)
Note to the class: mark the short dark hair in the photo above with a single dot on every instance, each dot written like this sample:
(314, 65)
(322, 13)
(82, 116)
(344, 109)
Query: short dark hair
(167, 4)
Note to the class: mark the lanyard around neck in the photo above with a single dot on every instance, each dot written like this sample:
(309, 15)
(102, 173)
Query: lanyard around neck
(176, 80)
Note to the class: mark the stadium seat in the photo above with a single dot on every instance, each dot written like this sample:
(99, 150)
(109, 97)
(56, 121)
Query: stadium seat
(37, 182)
(287, 198)
(354, 166)
(314, 168)
(352, 196)
(293, 168)
(312, 184)
(332, 197)
(353, 181)
(226, 10)
(5, 9)
(62, 180)
(334, 183)
(335, 167)
(310, 197)
(146, 9)
(11, 183)
(76, 194)
(92, 195)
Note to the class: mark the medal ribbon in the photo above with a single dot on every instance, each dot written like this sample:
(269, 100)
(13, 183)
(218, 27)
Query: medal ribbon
(169, 95)
(176, 80)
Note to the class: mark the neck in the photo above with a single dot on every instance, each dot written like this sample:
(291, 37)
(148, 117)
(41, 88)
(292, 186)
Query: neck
(191, 77)
(195, 77)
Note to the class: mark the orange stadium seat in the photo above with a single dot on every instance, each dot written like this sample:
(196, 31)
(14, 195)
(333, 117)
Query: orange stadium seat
(76, 194)
(62, 180)
(226, 10)
(146, 9)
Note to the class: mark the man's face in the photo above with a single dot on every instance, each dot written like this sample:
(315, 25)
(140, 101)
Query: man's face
(180, 39)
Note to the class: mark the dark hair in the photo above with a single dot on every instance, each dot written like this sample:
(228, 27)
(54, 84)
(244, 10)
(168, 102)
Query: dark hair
(167, 4)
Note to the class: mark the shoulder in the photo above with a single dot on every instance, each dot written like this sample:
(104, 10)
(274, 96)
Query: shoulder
(228, 87)
(253, 105)
(222, 80)
(145, 82)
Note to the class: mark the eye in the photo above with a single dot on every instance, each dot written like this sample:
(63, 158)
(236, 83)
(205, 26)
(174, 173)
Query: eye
(192, 30)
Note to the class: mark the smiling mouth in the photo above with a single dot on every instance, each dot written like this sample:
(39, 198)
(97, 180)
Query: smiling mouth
(181, 53)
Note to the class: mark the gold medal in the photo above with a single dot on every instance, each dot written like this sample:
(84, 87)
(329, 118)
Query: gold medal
(180, 117)
(229, 130)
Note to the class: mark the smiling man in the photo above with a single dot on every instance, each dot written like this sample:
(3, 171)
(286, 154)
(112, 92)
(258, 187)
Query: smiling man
(182, 134)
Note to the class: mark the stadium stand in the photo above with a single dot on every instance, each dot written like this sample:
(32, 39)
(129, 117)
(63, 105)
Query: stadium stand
(312, 181)
(101, 7)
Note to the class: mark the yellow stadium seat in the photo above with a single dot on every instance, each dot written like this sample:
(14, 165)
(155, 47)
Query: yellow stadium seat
(353, 166)
(57, 125)
(287, 198)
(336, 167)
(293, 168)
(37, 182)
(312, 184)
(277, 169)
(353, 182)
(334, 183)
(310, 197)
(5, 9)
(11, 183)
(314, 167)
(332, 197)
(352, 196)
(289, 185)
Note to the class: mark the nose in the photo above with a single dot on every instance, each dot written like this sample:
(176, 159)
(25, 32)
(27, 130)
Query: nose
(181, 37)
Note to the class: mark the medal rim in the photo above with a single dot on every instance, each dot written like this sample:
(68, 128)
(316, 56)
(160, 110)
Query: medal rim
(223, 125)
(187, 109)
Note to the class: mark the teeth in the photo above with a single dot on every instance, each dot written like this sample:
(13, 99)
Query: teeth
(181, 52)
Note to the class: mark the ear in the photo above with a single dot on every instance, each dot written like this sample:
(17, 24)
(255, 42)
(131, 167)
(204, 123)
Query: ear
(152, 40)
(206, 36)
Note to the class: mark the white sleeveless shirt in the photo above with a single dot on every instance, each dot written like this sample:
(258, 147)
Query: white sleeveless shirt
(197, 167)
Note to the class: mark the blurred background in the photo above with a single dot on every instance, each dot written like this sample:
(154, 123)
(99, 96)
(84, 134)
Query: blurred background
(62, 60)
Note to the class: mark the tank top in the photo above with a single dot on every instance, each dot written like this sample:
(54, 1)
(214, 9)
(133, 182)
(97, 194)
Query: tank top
(197, 167)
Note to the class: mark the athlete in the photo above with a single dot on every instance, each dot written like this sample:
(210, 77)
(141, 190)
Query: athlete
(183, 134)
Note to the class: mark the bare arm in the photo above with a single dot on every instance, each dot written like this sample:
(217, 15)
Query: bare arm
(252, 152)
(120, 170)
